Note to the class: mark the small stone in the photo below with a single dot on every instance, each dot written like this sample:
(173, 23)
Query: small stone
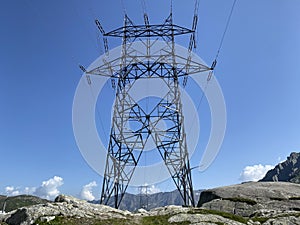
(142, 211)
(47, 218)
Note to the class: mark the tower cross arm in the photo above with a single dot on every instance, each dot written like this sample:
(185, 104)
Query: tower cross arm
(149, 31)
(190, 66)
(182, 69)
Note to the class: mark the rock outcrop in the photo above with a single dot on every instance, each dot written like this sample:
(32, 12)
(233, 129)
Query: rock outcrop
(288, 170)
(253, 199)
(63, 206)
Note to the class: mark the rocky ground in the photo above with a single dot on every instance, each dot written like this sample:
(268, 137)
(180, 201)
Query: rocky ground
(253, 198)
(249, 203)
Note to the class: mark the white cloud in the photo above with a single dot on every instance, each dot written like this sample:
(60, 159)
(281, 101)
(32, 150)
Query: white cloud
(29, 190)
(149, 189)
(86, 192)
(255, 172)
(49, 188)
(10, 190)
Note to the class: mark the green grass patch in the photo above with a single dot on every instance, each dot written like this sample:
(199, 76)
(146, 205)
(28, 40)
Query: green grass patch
(114, 222)
(159, 220)
(220, 213)
(260, 219)
(149, 220)
(59, 220)
(264, 219)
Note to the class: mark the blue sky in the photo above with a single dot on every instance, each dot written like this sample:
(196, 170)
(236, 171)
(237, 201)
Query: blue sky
(42, 43)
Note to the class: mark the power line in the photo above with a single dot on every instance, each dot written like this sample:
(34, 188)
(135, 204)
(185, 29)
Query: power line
(214, 63)
(94, 97)
(225, 31)
(97, 108)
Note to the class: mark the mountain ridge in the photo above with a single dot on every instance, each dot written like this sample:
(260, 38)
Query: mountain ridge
(133, 202)
(15, 202)
(286, 171)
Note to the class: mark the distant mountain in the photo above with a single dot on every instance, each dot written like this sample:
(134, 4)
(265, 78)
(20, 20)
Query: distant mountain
(288, 170)
(133, 202)
(15, 202)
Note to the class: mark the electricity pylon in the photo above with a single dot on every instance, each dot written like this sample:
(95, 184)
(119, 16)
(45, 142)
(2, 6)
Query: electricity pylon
(127, 144)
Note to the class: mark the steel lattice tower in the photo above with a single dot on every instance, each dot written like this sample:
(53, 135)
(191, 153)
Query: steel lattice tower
(127, 145)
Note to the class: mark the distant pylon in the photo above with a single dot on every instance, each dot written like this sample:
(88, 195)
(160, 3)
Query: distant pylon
(144, 197)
